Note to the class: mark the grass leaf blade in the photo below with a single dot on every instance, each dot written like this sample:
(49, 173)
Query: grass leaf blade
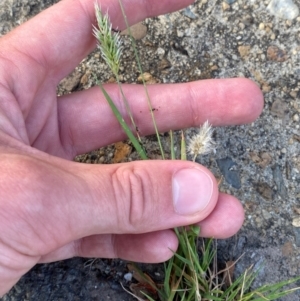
(124, 125)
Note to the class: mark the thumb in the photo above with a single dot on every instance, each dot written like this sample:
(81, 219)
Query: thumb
(57, 202)
(49, 203)
(146, 196)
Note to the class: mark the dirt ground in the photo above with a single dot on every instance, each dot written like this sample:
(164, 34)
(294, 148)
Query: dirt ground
(259, 162)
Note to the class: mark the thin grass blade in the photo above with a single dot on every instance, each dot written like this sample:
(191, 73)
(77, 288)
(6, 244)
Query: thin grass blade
(137, 58)
(183, 147)
(124, 125)
(172, 145)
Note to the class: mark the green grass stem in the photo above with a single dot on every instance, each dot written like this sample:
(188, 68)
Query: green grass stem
(183, 147)
(143, 79)
(127, 107)
(172, 147)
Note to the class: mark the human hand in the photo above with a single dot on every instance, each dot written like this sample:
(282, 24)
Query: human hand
(52, 208)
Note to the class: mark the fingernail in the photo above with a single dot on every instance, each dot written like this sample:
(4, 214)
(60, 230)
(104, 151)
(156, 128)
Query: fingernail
(192, 191)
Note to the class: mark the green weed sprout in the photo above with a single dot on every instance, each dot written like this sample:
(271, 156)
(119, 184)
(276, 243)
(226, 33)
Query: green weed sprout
(188, 276)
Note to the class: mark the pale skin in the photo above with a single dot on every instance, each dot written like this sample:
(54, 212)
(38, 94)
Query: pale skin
(52, 208)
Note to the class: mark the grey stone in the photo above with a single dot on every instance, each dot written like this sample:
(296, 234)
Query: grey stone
(188, 13)
(230, 1)
(228, 169)
(128, 277)
(297, 236)
(278, 179)
(285, 9)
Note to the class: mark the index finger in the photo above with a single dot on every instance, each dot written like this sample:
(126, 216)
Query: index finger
(61, 36)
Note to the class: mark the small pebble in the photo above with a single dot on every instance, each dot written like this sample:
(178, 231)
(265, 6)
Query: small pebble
(180, 33)
(296, 222)
(242, 26)
(297, 236)
(296, 117)
(266, 214)
(265, 191)
(231, 176)
(279, 108)
(278, 179)
(138, 31)
(276, 54)
(128, 277)
(188, 13)
(160, 51)
(244, 50)
(225, 6)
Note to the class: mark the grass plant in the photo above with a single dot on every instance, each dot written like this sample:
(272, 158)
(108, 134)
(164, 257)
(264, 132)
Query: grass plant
(188, 276)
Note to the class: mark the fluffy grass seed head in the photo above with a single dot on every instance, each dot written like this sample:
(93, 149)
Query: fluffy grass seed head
(109, 42)
(202, 143)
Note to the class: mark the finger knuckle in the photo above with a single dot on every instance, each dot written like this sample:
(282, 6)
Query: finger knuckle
(133, 195)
